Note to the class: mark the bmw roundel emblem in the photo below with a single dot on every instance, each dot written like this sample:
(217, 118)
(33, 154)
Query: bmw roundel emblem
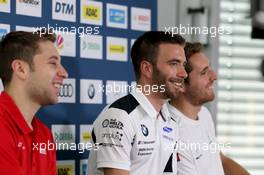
(91, 91)
(144, 130)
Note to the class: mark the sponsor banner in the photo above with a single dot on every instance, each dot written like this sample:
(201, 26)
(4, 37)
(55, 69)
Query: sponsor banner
(64, 136)
(66, 43)
(65, 167)
(85, 134)
(24, 28)
(83, 166)
(64, 10)
(29, 8)
(115, 90)
(140, 19)
(91, 46)
(116, 16)
(67, 92)
(91, 12)
(116, 49)
(91, 91)
(4, 29)
(5, 6)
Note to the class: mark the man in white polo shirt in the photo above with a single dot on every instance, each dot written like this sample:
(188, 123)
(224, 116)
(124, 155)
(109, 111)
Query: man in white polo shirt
(136, 134)
(197, 147)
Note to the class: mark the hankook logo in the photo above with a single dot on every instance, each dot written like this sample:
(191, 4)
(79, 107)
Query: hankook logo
(66, 90)
(31, 2)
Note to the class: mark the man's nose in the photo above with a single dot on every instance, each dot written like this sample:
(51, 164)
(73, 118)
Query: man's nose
(62, 72)
(182, 72)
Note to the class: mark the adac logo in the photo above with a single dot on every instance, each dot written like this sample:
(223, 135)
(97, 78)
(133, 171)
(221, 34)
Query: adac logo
(30, 2)
(91, 12)
(64, 169)
(144, 130)
(60, 42)
(117, 16)
(3, 1)
(116, 48)
(91, 91)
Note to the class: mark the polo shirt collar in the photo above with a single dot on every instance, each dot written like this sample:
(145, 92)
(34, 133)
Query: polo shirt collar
(15, 113)
(175, 113)
(148, 107)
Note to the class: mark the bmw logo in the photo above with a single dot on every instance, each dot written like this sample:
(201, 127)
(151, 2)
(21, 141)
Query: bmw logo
(91, 91)
(144, 130)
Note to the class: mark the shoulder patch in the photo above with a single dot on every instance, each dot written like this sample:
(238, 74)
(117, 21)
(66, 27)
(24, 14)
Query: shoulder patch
(127, 103)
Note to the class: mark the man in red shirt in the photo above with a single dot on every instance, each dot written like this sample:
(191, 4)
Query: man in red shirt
(31, 71)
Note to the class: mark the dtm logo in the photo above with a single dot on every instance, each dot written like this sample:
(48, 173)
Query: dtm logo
(66, 90)
(144, 130)
(117, 16)
(64, 8)
(91, 91)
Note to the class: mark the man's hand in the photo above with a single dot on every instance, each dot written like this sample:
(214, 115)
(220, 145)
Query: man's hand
(113, 171)
(231, 167)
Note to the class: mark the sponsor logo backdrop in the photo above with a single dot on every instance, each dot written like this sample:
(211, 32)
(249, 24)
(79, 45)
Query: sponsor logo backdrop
(96, 53)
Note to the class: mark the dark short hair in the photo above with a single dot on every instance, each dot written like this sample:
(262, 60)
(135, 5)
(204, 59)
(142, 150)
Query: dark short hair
(20, 45)
(146, 47)
(190, 49)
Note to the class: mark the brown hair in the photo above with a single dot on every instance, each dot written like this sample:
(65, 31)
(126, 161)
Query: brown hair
(146, 47)
(20, 45)
(190, 49)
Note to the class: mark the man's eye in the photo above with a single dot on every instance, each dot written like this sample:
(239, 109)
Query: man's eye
(173, 63)
(203, 73)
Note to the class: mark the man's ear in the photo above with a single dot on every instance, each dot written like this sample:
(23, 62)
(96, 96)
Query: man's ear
(20, 69)
(146, 69)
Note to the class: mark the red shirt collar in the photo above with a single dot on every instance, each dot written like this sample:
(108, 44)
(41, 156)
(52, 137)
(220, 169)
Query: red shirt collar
(9, 105)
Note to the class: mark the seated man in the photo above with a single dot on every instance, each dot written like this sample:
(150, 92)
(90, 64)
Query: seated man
(197, 153)
(31, 71)
(136, 133)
